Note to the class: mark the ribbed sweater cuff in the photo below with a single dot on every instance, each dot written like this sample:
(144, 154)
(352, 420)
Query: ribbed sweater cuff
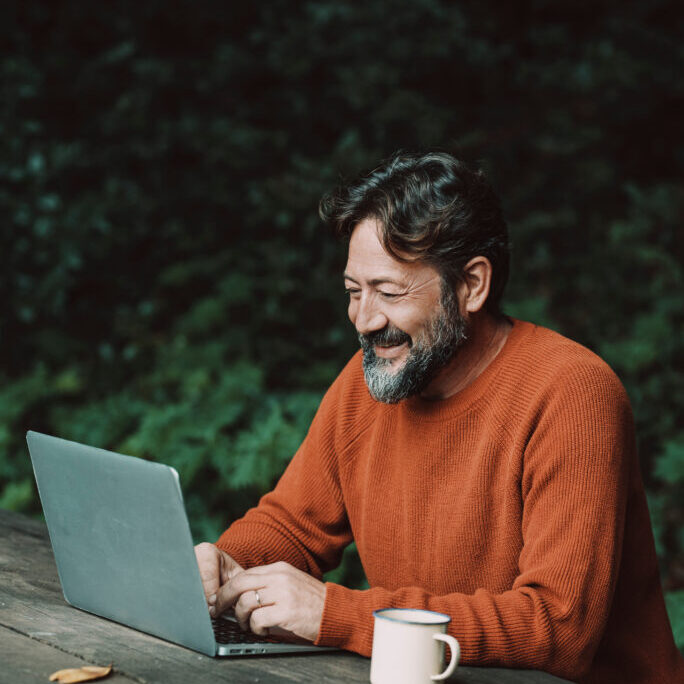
(347, 620)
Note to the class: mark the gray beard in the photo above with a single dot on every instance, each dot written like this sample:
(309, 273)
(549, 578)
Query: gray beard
(433, 350)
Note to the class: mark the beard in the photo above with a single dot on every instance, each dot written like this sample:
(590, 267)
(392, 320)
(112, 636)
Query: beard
(438, 343)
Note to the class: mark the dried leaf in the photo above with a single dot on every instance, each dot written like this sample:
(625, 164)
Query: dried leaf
(80, 674)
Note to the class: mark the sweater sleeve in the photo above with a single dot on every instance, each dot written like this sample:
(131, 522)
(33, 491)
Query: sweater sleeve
(574, 486)
(303, 520)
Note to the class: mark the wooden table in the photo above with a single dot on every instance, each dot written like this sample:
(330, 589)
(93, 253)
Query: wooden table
(41, 633)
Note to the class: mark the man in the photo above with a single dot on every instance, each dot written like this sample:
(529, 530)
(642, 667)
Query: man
(485, 467)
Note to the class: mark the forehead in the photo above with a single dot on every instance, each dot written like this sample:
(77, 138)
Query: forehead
(369, 260)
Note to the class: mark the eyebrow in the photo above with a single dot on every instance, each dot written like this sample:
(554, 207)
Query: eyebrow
(376, 281)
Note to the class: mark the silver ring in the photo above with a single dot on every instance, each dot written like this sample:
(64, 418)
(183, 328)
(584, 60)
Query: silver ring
(258, 598)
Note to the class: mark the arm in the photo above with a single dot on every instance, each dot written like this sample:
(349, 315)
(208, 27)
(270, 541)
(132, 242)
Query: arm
(303, 521)
(296, 533)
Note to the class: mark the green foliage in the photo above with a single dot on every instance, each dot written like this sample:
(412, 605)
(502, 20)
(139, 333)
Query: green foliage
(675, 609)
(167, 290)
(17, 495)
(670, 465)
(349, 570)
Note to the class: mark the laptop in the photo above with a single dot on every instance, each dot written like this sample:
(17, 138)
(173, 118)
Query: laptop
(123, 548)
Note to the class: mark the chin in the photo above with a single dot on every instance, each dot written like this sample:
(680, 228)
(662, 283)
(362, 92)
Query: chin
(396, 364)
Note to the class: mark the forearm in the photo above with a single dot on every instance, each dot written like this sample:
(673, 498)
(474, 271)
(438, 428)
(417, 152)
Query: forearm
(522, 628)
(302, 522)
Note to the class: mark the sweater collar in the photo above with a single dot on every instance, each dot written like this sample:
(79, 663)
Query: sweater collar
(441, 409)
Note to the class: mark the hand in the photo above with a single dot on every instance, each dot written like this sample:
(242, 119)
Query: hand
(216, 568)
(290, 601)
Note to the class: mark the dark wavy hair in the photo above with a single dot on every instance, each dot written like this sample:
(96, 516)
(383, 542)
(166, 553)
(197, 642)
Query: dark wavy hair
(430, 207)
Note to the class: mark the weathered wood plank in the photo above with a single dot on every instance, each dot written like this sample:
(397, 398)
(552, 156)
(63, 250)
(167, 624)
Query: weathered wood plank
(32, 605)
(494, 675)
(26, 661)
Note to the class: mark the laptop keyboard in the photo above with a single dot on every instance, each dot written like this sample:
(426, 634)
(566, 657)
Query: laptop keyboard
(229, 632)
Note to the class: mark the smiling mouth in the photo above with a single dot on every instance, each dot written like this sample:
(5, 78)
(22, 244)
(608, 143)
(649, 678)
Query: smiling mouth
(390, 351)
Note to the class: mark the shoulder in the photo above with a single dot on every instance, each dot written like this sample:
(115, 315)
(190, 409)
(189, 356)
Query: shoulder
(572, 413)
(552, 385)
(547, 363)
(570, 401)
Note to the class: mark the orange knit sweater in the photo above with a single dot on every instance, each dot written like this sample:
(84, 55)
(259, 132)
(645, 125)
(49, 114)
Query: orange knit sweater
(515, 506)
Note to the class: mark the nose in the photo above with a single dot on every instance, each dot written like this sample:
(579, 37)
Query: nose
(366, 316)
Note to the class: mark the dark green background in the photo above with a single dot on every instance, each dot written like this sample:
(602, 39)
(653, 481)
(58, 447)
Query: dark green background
(167, 290)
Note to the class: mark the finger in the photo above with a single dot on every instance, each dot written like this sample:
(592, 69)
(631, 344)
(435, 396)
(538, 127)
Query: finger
(229, 567)
(263, 619)
(243, 609)
(209, 569)
(280, 566)
(268, 621)
(244, 582)
(251, 601)
(248, 603)
(247, 577)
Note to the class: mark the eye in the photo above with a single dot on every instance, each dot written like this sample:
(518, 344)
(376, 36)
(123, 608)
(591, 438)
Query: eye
(352, 292)
(389, 295)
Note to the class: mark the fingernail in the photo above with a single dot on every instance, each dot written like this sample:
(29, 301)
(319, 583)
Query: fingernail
(212, 599)
(212, 611)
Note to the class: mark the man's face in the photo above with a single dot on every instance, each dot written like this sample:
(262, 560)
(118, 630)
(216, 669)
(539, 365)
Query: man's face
(409, 326)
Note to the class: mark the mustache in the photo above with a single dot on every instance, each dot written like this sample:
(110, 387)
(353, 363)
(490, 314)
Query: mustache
(389, 335)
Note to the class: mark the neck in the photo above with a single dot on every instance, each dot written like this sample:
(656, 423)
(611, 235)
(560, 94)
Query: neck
(487, 335)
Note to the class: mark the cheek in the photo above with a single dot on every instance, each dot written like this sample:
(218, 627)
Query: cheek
(403, 317)
(411, 324)
(352, 310)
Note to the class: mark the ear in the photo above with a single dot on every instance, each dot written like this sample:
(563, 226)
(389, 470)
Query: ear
(474, 288)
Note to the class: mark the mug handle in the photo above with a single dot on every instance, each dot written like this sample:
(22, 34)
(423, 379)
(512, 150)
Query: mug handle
(455, 655)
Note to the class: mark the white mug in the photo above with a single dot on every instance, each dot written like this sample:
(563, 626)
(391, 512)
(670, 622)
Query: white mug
(408, 646)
